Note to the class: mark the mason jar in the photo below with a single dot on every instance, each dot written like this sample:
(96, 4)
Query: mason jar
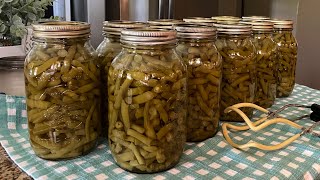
(62, 82)
(286, 56)
(108, 49)
(266, 63)
(147, 84)
(198, 51)
(239, 68)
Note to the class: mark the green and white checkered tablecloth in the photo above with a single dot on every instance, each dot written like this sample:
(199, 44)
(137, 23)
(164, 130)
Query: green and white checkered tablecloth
(210, 159)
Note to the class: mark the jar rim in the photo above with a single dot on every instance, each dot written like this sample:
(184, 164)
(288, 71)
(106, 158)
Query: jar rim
(233, 28)
(282, 24)
(259, 25)
(148, 36)
(250, 18)
(199, 20)
(114, 27)
(195, 31)
(61, 29)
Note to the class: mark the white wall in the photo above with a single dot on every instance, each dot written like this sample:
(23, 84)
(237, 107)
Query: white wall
(285, 9)
(308, 36)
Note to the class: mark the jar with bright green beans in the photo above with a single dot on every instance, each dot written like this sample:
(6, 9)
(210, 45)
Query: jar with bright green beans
(62, 83)
(147, 87)
(287, 48)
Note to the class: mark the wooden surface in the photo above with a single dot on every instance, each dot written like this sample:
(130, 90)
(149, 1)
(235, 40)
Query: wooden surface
(9, 170)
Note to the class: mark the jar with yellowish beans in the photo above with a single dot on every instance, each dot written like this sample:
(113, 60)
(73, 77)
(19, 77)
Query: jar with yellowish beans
(62, 82)
(197, 49)
(108, 49)
(239, 68)
(287, 48)
(147, 86)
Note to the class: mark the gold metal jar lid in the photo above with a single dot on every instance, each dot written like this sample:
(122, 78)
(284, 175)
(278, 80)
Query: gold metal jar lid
(148, 36)
(164, 23)
(61, 29)
(196, 31)
(200, 20)
(255, 18)
(233, 29)
(226, 19)
(115, 27)
(260, 25)
(282, 24)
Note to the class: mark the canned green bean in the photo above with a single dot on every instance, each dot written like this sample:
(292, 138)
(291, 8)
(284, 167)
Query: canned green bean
(197, 49)
(147, 88)
(62, 82)
(239, 68)
(286, 56)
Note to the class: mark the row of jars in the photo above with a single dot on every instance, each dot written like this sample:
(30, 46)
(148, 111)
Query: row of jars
(141, 87)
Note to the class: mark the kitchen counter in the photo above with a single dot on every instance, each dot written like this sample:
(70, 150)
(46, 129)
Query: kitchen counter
(8, 169)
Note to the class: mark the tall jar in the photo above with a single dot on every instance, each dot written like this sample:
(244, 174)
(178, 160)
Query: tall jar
(147, 102)
(287, 56)
(266, 63)
(108, 49)
(239, 68)
(62, 83)
(197, 49)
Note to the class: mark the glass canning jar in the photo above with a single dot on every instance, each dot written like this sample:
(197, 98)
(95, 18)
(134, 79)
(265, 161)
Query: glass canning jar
(108, 49)
(62, 83)
(226, 19)
(287, 48)
(147, 88)
(197, 49)
(266, 63)
(239, 68)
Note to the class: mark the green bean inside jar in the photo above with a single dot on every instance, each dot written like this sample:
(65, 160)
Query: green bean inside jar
(62, 83)
(286, 56)
(239, 68)
(108, 49)
(197, 49)
(147, 87)
(266, 63)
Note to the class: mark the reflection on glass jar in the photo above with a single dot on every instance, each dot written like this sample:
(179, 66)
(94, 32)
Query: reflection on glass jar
(197, 49)
(286, 56)
(62, 82)
(147, 102)
(239, 68)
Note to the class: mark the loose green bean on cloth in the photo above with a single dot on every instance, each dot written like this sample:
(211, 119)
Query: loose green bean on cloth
(209, 159)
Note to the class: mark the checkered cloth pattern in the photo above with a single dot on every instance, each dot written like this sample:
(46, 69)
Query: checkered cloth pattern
(210, 159)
